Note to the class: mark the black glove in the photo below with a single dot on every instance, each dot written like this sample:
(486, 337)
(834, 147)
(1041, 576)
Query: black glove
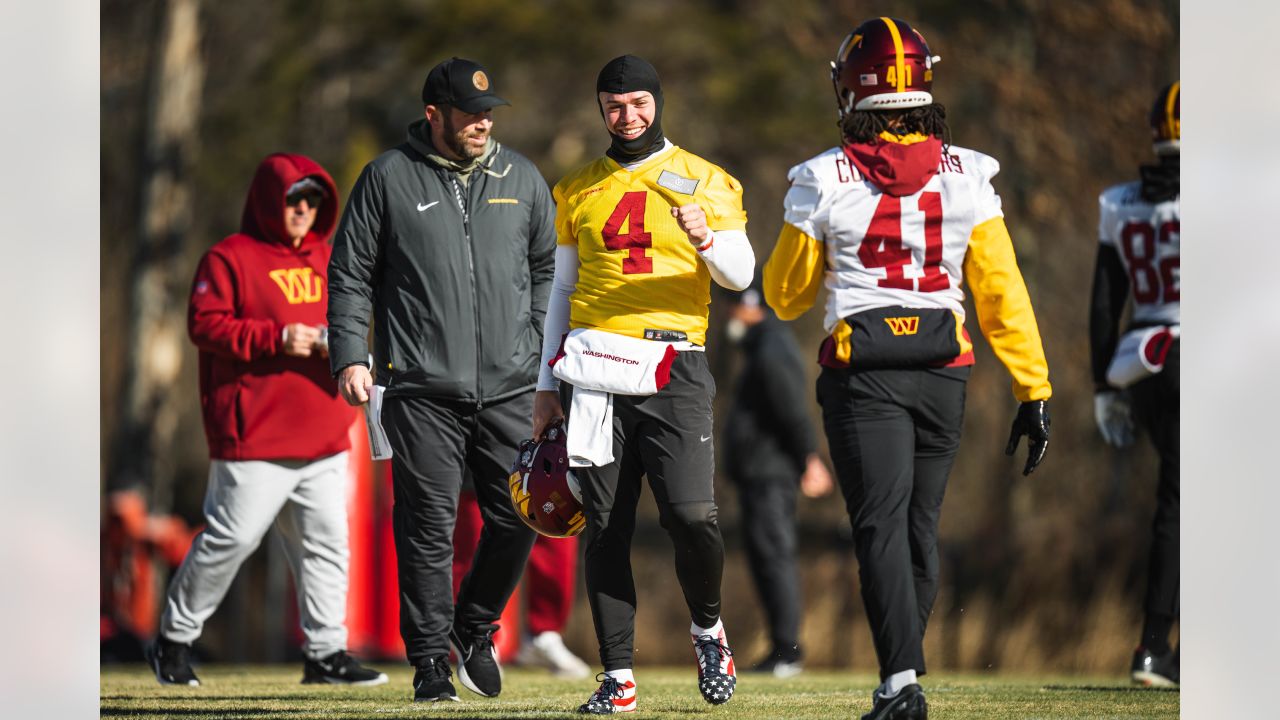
(1032, 420)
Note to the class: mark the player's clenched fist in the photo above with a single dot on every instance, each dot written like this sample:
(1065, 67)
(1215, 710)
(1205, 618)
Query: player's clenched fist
(693, 221)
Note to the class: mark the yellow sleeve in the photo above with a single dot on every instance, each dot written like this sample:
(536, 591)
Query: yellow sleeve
(1004, 309)
(565, 234)
(793, 273)
(723, 206)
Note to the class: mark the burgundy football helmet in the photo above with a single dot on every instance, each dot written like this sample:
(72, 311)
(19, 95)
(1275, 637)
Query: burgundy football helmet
(883, 65)
(1166, 124)
(544, 491)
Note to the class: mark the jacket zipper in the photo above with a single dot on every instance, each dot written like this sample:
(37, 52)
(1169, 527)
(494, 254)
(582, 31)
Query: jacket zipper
(471, 265)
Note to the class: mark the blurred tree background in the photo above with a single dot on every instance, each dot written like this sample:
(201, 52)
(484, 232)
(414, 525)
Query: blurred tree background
(1038, 573)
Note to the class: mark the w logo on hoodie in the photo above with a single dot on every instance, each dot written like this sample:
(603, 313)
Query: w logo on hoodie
(299, 285)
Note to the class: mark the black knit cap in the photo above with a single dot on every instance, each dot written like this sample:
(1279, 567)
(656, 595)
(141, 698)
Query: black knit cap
(625, 74)
(464, 84)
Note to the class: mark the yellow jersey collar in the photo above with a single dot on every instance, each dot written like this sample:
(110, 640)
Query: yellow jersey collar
(908, 139)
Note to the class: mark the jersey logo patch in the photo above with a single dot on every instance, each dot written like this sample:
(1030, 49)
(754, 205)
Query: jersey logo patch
(678, 183)
(665, 335)
(903, 325)
(503, 201)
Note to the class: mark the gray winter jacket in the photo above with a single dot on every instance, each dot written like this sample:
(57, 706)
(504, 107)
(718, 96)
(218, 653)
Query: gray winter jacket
(456, 275)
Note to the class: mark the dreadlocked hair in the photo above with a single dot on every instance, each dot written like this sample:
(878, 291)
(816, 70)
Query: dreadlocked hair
(864, 126)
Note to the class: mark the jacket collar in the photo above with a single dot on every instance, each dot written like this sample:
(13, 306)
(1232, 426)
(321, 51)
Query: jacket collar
(420, 140)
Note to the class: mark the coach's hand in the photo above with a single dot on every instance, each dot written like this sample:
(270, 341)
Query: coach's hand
(693, 221)
(354, 382)
(816, 480)
(546, 410)
(1032, 420)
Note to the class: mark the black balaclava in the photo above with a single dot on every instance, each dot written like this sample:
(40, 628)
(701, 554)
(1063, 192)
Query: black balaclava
(624, 74)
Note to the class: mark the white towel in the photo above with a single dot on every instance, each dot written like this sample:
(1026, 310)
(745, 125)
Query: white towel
(1141, 354)
(599, 364)
(600, 360)
(589, 438)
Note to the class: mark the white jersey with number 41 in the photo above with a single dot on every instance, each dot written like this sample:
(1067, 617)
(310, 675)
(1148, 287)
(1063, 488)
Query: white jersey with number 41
(1147, 238)
(883, 250)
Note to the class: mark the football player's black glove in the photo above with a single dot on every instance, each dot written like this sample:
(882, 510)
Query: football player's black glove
(1032, 420)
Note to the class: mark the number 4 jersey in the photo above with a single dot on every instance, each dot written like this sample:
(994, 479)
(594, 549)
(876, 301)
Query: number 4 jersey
(638, 270)
(1147, 238)
(884, 256)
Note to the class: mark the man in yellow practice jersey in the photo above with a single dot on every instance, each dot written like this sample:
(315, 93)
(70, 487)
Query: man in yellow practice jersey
(641, 233)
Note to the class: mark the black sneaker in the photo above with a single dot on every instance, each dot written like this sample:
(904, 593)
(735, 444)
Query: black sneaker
(716, 678)
(779, 665)
(478, 667)
(431, 682)
(1154, 670)
(171, 662)
(909, 704)
(611, 697)
(340, 669)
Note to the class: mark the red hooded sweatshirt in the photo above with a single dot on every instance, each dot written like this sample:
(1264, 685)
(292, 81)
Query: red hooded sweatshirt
(898, 167)
(258, 403)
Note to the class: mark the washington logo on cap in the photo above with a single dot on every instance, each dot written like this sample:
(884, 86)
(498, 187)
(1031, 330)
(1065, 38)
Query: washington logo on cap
(461, 83)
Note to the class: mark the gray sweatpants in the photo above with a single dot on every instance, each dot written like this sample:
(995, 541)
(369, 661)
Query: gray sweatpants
(307, 503)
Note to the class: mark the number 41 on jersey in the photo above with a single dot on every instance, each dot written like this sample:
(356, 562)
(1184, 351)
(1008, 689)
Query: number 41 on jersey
(882, 245)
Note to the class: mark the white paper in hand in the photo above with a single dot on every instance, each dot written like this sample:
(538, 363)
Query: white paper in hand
(379, 448)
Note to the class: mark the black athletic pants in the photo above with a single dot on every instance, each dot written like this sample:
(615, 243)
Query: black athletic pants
(1155, 403)
(893, 435)
(434, 442)
(769, 528)
(666, 437)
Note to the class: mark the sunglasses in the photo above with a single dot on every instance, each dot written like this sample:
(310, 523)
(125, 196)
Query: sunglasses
(312, 197)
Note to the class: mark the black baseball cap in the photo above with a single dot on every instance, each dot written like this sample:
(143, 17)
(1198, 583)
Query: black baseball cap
(464, 84)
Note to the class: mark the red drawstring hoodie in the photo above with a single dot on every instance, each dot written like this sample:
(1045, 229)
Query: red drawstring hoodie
(258, 403)
(897, 168)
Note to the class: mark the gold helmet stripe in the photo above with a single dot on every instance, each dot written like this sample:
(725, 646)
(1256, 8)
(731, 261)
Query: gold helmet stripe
(1172, 124)
(849, 44)
(901, 77)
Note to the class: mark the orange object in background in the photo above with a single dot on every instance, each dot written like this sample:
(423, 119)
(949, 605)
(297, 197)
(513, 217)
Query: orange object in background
(373, 590)
(373, 595)
(133, 542)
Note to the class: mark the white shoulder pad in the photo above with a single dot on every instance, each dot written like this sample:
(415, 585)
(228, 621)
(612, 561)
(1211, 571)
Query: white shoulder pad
(981, 167)
(1110, 201)
(804, 204)
(1119, 194)
(988, 167)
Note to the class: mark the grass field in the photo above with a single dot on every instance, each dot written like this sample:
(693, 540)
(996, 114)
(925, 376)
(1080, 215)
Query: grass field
(235, 691)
